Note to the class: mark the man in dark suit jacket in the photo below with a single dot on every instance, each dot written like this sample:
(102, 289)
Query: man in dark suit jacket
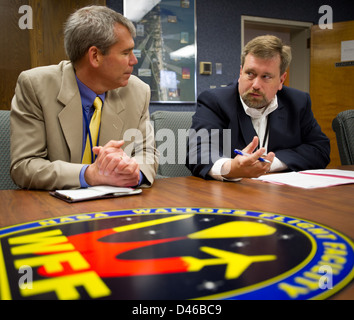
(258, 115)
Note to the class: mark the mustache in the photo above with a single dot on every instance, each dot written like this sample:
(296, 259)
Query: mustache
(252, 91)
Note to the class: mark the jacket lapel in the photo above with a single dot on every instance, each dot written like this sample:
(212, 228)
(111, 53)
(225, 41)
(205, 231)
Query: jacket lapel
(277, 123)
(112, 117)
(244, 122)
(70, 117)
(246, 125)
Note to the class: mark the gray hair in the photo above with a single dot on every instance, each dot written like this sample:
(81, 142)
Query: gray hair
(92, 26)
(267, 47)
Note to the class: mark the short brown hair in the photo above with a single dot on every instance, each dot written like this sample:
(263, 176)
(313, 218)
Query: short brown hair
(267, 47)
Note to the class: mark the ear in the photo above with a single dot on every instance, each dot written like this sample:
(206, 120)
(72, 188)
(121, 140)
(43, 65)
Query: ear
(94, 56)
(282, 79)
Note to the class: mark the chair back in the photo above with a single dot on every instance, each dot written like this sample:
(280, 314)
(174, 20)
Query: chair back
(5, 160)
(171, 135)
(343, 126)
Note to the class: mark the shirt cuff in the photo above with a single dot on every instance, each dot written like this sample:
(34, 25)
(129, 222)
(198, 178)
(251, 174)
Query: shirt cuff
(277, 165)
(83, 182)
(215, 171)
(141, 178)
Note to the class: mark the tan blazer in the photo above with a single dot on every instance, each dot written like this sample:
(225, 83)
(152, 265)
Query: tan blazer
(47, 127)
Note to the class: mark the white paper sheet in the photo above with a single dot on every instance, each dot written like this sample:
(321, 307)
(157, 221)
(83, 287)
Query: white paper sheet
(311, 178)
(347, 50)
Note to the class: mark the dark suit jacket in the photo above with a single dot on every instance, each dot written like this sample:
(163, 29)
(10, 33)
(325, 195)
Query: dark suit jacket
(294, 134)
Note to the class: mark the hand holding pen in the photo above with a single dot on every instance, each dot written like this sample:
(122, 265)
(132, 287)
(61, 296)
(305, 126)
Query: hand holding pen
(247, 154)
(248, 164)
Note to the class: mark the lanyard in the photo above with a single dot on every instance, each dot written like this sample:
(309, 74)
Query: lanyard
(266, 134)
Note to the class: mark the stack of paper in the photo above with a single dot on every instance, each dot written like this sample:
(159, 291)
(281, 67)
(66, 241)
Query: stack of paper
(311, 178)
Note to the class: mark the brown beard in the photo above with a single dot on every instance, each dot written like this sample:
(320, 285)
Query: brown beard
(254, 103)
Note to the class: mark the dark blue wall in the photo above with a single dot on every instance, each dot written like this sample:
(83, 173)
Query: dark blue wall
(219, 30)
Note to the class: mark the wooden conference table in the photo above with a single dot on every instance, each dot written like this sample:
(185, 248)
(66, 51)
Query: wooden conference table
(332, 207)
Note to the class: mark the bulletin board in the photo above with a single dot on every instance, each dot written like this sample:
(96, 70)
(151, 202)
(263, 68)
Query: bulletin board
(165, 47)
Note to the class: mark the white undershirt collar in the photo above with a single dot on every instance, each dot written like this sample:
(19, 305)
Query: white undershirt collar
(255, 113)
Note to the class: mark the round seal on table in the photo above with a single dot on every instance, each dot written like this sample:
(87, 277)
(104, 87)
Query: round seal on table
(174, 254)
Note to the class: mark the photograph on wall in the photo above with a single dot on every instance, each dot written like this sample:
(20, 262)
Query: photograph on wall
(165, 46)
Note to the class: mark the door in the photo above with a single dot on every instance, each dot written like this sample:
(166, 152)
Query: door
(331, 86)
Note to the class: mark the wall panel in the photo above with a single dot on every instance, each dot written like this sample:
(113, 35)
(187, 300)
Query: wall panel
(331, 87)
(23, 49)
(14, 44)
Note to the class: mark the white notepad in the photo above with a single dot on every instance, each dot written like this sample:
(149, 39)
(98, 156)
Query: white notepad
(91, 193)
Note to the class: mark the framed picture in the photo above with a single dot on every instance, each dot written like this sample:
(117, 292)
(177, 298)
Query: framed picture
(165, 47)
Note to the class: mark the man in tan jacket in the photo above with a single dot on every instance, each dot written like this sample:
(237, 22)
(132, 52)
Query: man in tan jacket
(52, 108)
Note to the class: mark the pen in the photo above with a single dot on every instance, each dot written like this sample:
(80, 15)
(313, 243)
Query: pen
(247, 154)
